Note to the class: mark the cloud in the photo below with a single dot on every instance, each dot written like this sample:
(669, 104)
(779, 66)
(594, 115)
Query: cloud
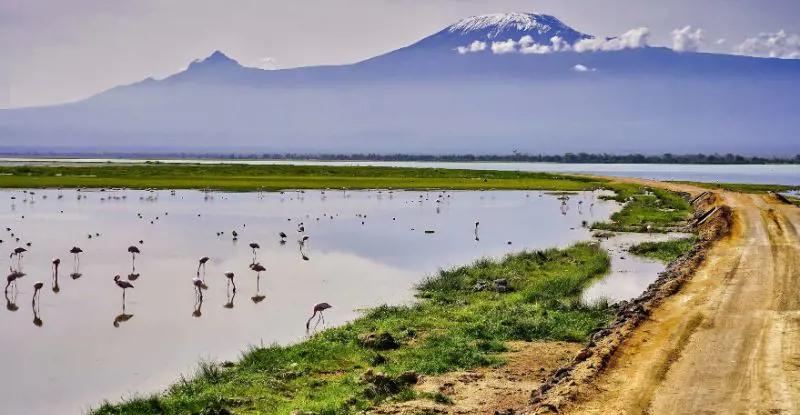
(582, 68)
(632, 39)
(557, 44)
(720, 41)
(267, 62)
(509, 46)
(687, 40)
(772, 45)
(476, 46)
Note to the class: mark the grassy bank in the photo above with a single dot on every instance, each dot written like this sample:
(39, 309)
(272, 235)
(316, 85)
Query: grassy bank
(461, 320)
(660, 209)
(744, 187)
(240, 177)
(666, 251)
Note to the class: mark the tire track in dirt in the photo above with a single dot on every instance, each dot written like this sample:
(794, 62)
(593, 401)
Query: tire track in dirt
(729, 341)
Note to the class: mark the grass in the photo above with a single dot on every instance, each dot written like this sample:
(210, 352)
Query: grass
(451, 327)
(666, 251)
(242, 177)
(660, 209)
(744, 187)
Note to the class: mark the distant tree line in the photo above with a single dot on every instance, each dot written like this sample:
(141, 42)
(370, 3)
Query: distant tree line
(603, 158)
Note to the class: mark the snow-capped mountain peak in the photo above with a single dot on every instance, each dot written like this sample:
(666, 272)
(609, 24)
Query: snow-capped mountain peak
(501, 27)
(497, 23)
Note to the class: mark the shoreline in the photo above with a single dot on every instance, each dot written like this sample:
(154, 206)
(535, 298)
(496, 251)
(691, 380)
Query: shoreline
(389, 372)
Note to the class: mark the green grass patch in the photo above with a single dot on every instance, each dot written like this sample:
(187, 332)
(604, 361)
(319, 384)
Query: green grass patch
(744, 187)
(662, 210)
(666, 251)
(242, 177)
(460, 321)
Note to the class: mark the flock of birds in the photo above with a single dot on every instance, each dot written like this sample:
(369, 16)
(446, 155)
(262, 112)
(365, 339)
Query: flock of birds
(199, 280)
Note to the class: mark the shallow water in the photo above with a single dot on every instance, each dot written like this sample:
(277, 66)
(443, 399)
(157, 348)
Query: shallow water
(630, 275)
(87, 348)
(751, 173)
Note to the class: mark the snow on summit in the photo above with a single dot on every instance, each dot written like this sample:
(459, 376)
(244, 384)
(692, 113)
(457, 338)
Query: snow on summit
(497, 23)
(541, 28)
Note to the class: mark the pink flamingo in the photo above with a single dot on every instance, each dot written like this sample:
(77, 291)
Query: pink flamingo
(318, 308)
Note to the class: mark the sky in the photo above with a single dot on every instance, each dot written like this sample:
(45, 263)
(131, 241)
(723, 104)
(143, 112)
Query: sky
(57, 51)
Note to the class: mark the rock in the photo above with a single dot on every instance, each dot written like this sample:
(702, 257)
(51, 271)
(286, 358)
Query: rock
(479, 286)
(378, 341)
(501, 281)
(409, 378)
(583, 355)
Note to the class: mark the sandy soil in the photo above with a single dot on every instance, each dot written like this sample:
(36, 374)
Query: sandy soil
(491, 390)
(729, 341)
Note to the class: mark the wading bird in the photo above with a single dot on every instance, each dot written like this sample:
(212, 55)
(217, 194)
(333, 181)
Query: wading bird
(18, 253)
(12, 279)
(56, 263)
(283, 237)
(229, 275)
(133, 251)
(202, 264)
(124, 285)
(254, 246)
(318, 308)
(37, 287)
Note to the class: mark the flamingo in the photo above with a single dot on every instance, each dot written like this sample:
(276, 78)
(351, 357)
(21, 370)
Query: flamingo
(229, 275)
(124, 285)
(649, 229)
(318, 308)
(37, 287)
(18, 253)
(258, 268)
(56, 263)
(254, 246)
(12, 278)
(202, 263)
(133, 251)
(76, 252)
(283, 237)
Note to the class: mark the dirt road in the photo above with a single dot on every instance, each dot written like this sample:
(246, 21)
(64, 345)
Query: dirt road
(729, 341)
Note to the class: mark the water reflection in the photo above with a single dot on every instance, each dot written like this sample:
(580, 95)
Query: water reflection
(37, 320)
(198, 305)
(11, 301)
(230, 294)
(376, 262)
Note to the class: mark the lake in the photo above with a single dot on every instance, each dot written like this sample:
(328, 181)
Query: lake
(79, 343)
(760, 174)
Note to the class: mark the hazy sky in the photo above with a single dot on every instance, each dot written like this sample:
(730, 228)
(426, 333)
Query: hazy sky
(54, 51)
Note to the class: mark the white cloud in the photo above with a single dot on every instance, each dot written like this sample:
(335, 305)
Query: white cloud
(582, 68)
(476, 46)
(720, 41)
(632, 39)
(509, 46)
(772, 45)
(267, 62)
(687, 40)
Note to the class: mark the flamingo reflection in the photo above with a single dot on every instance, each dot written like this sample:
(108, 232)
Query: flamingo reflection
(11, 302)
(198, 304)
(37, 321)
(230, 298)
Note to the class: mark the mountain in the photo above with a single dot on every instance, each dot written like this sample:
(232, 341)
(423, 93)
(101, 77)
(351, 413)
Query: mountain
(486, 84)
